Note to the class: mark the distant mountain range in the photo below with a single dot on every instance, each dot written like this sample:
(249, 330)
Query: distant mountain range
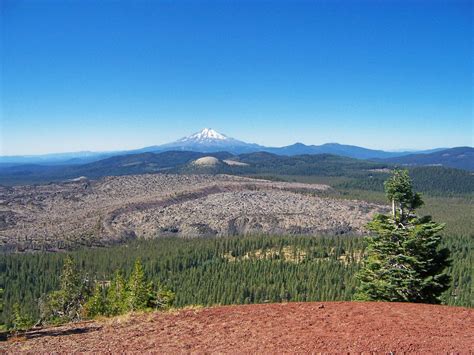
(207, 141)
(460, 158)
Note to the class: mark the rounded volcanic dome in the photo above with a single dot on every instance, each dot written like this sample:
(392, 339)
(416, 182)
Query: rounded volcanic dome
(207, 161)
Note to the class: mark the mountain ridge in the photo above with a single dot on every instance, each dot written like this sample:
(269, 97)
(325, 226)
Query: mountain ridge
(458, 158)
(209, 141)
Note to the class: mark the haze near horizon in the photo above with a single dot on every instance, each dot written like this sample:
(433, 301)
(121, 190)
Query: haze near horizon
(90, 76)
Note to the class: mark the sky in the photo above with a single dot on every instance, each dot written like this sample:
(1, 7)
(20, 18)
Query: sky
(109, 75)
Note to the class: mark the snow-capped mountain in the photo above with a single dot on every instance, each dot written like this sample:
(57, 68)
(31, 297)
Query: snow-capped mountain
(206, 135)
(209, 140)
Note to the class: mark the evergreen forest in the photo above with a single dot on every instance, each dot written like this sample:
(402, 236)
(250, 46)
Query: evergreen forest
(219, 271)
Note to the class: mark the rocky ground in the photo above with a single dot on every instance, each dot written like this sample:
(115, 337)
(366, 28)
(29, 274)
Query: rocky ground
(251, 212)
(270, 328)
(83, 212)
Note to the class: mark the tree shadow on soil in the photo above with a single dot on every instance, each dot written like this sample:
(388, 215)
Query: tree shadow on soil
(60, 332)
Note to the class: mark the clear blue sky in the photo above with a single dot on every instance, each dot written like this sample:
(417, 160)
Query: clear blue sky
(106, 75)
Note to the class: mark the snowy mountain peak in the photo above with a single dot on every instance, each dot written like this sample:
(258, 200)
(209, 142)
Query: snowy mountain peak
(206, 135)
(209, 140)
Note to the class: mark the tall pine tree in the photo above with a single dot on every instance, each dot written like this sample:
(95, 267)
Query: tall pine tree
(403, 262)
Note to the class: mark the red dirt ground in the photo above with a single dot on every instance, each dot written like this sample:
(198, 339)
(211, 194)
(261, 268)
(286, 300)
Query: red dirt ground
(267, 328)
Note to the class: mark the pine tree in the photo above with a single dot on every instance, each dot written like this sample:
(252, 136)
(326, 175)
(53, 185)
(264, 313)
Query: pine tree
(20, 321)
(96, 305)
(66, 303)
(399, 191)
(116, 302)
(403, 260)
(139, 290)
(164, 298)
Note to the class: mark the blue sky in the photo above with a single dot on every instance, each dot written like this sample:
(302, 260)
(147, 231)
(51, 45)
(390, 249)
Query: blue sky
(106, 75)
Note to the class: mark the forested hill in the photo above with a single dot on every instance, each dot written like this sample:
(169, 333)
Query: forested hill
(433, 180)
(141, 163)
(182, 162)
(347, 172)
(460, 158)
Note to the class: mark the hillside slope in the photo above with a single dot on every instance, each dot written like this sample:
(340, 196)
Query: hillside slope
(269, 328)
(359, 174)
(459, 158)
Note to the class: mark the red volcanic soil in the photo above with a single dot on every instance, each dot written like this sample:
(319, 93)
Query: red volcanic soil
(267, 328)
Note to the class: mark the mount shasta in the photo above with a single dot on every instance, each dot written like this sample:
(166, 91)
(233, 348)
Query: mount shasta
(208, 141)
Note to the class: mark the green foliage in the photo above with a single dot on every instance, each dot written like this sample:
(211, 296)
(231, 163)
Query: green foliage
(260, 163)
(120, 296)
(399, 191)
(461, 290)
(117, 296)
(20, 321)
(347, 173)
(96, 303)
(404, 261)
(404, 264)
(432, 180)
(164, 298)
(66, 304)
(139, 291)
(210, 271)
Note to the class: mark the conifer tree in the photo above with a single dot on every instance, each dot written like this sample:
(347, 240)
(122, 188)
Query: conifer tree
(164, 298)
(139, 290)
(20, 321)
(403, 260)
(116, 302)
(96, 305)
(66, 303)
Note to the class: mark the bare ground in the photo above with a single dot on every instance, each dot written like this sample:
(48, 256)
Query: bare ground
(89, 213)
(268, 328)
